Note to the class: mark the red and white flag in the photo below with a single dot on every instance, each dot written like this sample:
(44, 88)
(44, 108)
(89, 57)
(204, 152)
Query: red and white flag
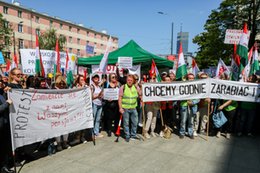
(222, 68)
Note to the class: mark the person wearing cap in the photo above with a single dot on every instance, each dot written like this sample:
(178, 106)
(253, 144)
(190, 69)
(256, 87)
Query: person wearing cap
(164, 75)
(97, 95)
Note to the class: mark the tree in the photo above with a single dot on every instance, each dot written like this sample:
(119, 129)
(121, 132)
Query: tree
(5, 36)
(47, 40)
(231, 14)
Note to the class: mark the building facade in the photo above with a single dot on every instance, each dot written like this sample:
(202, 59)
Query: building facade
(182, 37)
(26, 23)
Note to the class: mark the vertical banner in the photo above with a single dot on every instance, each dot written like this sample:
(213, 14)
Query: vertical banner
(37, 115)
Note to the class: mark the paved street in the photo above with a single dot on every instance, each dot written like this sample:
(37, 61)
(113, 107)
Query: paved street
(237, 155)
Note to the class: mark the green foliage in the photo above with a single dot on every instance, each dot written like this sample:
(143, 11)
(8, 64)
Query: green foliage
(5, 35)
(47, 40)
(231, 14)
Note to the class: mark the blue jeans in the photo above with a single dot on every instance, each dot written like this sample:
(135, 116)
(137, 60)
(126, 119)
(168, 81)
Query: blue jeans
(186, 115)
(97, 110)
(133, 116)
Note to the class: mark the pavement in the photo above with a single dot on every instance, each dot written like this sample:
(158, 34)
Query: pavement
(215, 155)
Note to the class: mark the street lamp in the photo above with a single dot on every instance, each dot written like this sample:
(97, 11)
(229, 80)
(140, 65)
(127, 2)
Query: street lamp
(162, 13)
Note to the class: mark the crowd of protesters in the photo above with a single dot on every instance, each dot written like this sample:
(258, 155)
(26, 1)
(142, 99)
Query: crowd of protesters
(185, 118)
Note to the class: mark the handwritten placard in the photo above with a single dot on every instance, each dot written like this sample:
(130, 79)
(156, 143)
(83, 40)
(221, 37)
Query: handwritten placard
(37, 115)
(125, 62)
(111, 93)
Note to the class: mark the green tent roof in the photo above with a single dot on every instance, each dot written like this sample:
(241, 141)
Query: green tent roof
(131, 49)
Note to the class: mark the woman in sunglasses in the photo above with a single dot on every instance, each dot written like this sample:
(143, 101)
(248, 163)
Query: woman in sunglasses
(111, 109)
(15, 78)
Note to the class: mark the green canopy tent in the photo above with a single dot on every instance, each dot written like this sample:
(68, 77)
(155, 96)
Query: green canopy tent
(131, 49)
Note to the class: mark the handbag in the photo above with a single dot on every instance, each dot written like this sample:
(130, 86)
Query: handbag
(218, 118)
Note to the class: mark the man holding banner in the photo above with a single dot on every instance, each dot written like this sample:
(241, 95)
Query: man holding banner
(188, 110)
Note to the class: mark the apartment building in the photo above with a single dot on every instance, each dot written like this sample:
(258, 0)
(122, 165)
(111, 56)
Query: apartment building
(26, 23)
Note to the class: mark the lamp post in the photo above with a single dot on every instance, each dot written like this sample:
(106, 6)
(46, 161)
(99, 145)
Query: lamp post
(172, 26)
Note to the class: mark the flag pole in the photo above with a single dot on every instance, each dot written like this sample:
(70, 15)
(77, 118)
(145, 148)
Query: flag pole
(208, 121)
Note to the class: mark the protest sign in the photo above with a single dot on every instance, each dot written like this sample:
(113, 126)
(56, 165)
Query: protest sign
(175, 91)
(111, 93)
(37, 115)
(232, 36)
(136, 69)
(233, 90)
(198, 89)
(48, 59)
(125, 62)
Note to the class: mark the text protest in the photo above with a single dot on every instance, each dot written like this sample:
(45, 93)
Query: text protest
(37, 115)
(111, 93)
(207, 88)
(48, 59)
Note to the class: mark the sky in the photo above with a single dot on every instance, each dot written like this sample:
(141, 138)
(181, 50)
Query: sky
(134, 19)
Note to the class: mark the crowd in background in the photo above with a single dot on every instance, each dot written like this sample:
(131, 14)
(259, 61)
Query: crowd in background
(185, 118)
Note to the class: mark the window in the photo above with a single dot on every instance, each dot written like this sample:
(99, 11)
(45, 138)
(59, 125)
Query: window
(19, 13)
(70, 28)
(87, 33)
(7, 40)
(78, 52)
(95, 35)
(61, 25)
(37, 19)
(70, 50)
(37, 31)
(21, 44)
(78, 30)
(20, 28)
(5, 10)
(78, 41)
(70, 39)
(6, 24)
(51, 23)
(87, 42)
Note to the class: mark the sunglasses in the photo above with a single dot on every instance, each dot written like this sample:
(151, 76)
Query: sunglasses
(18, 75)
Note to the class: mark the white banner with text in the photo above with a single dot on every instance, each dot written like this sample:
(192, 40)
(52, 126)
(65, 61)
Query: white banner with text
(48, 60)
(37, 115)
(198, 89)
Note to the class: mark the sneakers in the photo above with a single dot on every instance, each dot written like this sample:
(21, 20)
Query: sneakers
(127, 139)
(195, 134)
(218, 134)
(83, 140)
(65, 145)
(6, 170)
(59, 148)
(228, 135)
(181, 136)
(147, 136)
(152, 134)
(99, 136)
(133, 138)
(191, 137)
(140, 124)
(250, 135)
(109, 133)
(161, 134)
